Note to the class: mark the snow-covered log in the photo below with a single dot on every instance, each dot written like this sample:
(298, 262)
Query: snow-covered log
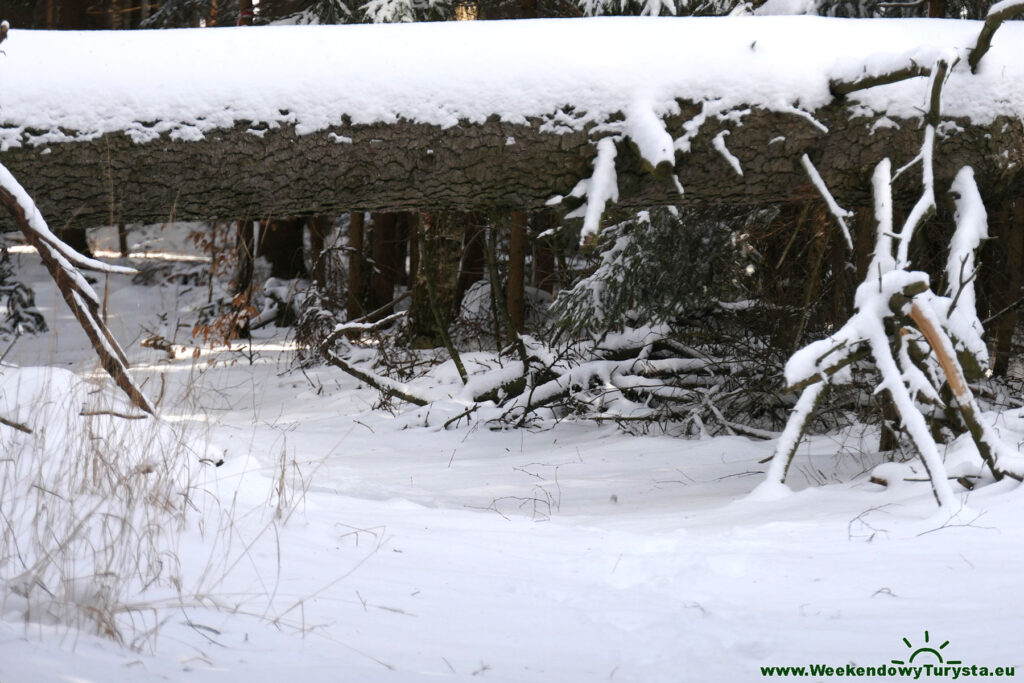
(254, 122)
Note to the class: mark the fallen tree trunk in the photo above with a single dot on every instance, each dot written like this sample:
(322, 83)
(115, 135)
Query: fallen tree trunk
(161, 143)
(234, 175)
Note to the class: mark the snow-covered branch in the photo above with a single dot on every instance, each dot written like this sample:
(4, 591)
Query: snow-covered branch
(997, 14)
(74, 288)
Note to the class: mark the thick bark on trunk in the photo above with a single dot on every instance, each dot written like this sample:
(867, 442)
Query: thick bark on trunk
(233, 173)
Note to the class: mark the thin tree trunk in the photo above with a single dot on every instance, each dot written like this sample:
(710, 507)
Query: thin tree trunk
(405, 224)
(491, 250)
(543, 275)
(471, 269)
(245, 13)
(115, 14)
(437, 306)
(245, 253)
(517, 270)
(414, 249)
(319, 226)
(863, 241)
(1011, 222)
(382, 277)
(356, 230)
(812, 286)
(122, 239)
(510, 329)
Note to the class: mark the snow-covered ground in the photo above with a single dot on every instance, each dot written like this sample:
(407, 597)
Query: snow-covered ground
(342, 543)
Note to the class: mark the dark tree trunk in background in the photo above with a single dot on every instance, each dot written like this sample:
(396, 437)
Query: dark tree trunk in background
(213, 17)
(543, 275)
(405, 225)
(472, 267)
(440, 251)
(122, 239)
(245, 254)
(514, 287)
(1001, 277)
(414, 249)
(384, 272)
(76, 239)
(356, 232)
(319, 227)
(115, 14)
(864, 230)
(245, 14)
(281, 244)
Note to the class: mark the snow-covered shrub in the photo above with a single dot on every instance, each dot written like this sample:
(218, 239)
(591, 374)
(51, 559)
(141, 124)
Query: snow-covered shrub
(180, 13)
(862, 9)
(91, 504)
(353, 11)
(396, 11)
(659, 267)
(653, 8)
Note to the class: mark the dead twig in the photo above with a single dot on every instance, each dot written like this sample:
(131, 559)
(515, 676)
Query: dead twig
(15, 425)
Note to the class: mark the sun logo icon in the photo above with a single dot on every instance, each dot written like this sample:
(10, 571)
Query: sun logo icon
(926, 649)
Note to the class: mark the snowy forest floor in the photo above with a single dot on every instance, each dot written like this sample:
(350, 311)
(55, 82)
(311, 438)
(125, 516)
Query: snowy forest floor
(571, 553)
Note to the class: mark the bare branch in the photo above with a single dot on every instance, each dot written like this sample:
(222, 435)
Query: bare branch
(939, 74)
(855, 354)
(838, 212)
(999, 13)
(112, 413)
(11, 423)
(381, 384)
(843, 88)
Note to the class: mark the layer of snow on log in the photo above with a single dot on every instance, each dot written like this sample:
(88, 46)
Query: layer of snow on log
(61, 85)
